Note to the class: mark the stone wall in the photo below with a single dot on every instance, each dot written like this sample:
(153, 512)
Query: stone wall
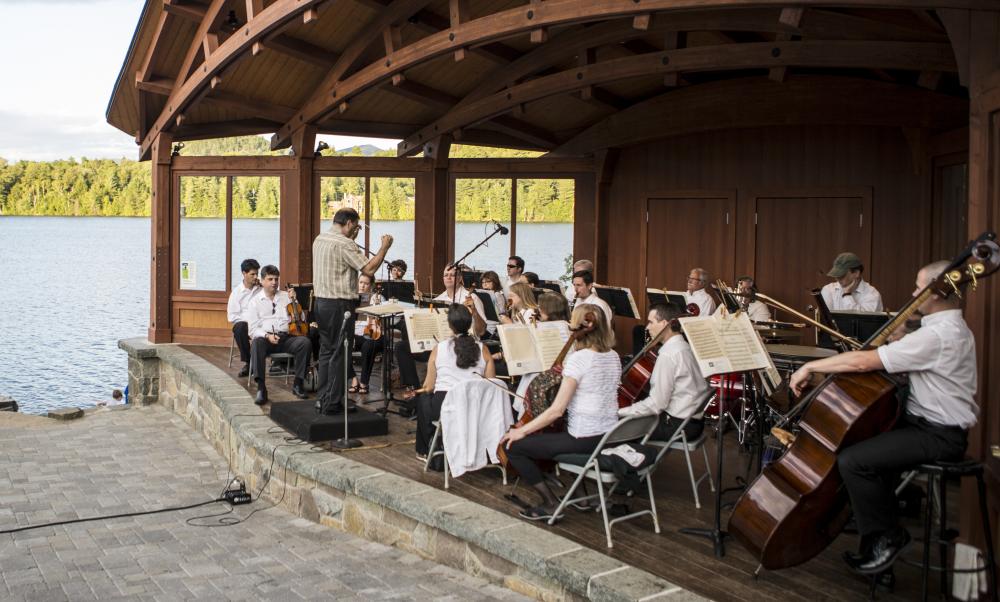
(336, 491)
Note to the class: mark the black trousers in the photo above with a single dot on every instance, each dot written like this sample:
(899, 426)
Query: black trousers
(299, 347)
(407, 361)
(668, 425)
(368, 349)
(428, 410)
(241, 334)
(330, 317)
(871, 468)
(546, 446)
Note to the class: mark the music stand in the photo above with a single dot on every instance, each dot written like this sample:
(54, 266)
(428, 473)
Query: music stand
(656, 296)
(388, 347)
(551, 285)
(470, 278)
(489, 305)
(619, 299)
(400, 290)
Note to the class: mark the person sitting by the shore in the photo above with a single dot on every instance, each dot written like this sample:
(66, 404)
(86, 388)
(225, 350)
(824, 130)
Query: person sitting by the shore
(236, 309)
(452, 361)
(117, 399)
(268, 318)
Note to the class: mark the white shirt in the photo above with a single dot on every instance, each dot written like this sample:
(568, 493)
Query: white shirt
(239, 299)
(506, 282)
(864, 297)
(460, 294)
(757, 311)
(266, 316)
(448, 374)
(676, 385)
(593, 410)
(595, 300)
(704, 301)
(940, 358)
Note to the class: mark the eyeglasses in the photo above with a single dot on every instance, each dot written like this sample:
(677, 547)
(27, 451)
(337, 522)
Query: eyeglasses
(274, 307)
(510, 267)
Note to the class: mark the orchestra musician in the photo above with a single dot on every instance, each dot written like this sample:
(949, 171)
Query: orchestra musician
(755, 309)
(451, 361)
(583, 285)
(849, 291)
(337, 259)
(582, 265)
(695, 293)
(523, 306)
(490, 281)
(363, 340)
(676, 386)
(397, 269)
(236, 309)
(268, 317)
(552, 307)
(588, 396)
(515, 267)
(531, 279)
(940, 361)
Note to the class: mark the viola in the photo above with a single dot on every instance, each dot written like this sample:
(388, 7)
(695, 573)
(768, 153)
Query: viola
(297, 327)
(797, 505)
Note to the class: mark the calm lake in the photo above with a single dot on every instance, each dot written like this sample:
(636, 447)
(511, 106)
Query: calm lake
(79, 284)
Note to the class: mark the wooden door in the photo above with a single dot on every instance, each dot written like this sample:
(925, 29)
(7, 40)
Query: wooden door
(688, 230)
(798, 235)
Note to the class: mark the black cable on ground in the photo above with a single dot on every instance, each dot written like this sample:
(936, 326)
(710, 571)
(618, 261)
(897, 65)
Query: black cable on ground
(124, 515)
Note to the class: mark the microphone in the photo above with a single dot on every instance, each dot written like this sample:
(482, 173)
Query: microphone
(504, 230)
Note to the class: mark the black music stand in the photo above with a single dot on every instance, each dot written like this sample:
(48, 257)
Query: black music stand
(388, 347)
(470, 278)
(400, 290)
(489, 305)
(619, 299)
(656, 296)
(860, 325)
(551, 285)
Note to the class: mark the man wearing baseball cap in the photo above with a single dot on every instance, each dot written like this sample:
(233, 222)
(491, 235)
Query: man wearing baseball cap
(849, 292)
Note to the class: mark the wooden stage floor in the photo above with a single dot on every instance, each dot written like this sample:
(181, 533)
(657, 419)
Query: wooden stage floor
(682, 559)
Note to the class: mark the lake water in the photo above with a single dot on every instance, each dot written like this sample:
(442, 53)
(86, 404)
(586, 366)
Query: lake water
(78, 285)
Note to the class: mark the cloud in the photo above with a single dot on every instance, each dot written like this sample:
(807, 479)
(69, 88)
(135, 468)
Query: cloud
(34, 137)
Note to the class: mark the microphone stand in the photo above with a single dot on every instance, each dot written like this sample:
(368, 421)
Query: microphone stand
(346, 442)
(501, 229)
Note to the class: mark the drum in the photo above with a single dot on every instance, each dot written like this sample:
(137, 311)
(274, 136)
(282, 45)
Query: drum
(729, 388)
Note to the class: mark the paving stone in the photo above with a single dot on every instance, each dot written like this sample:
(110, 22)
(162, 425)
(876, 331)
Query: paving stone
(145, 458)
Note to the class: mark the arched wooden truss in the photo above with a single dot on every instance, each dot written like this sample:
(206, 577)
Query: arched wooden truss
(533, 73)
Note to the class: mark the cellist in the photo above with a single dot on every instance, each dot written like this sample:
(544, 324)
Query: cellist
(940, 360)
(676, 385)
(588, 396)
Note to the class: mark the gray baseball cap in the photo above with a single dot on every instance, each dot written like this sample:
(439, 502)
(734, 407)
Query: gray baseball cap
(844, 263)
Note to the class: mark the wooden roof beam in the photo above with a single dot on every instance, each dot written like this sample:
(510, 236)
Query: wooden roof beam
(432, 23)
(256, 107)
(891, 55)
(595, 95)
(425, 95)
(519, 128)
(185, 10)
(513, 21)
(297, 49)
(792, 17)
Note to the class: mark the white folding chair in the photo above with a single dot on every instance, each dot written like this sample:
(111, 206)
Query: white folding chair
(679, 441)
(630, 429)
(469, 388)
(232, 349)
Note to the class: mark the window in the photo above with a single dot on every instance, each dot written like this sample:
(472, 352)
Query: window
(202, 233)
(256, 233)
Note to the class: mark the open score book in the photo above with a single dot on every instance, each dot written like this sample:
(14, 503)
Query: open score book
(532, 348)
(728, 343)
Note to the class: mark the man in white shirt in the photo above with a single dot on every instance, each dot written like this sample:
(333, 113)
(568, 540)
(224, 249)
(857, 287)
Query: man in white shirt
(583, 265)
(268, 318)
(697, 280)
(849, 291)
(939, 359)
(454, 292)
(756, 310)
(676, 386)
(239, 299)
(515, 267)
(583, 285)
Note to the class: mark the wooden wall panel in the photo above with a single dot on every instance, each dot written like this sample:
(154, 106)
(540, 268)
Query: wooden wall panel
(780, 161)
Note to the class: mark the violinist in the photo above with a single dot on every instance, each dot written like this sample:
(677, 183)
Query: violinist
(939, 359)
(236, 309)
(552, 307)
(367, 338)
(588, 396)
(523, 307)
(268, 318)
(676, 385)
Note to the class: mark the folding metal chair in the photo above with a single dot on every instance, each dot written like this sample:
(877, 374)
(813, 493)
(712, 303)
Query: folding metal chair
(680, 441)
(630, 429)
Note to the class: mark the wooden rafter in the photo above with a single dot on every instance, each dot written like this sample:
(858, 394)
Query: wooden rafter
(268, 21)
(514, 21)
(890, 55)
(185, 10)
(758, 102)
(297, 49)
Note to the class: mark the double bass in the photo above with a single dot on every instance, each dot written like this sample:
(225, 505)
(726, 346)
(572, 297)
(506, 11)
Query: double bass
(798, 504)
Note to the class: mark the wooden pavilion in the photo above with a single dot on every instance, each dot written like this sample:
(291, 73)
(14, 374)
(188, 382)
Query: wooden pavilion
(743, 136)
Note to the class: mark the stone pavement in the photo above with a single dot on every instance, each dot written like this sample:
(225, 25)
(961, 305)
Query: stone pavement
(135, 459)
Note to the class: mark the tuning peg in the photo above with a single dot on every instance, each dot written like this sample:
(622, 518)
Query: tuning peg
(973, 269)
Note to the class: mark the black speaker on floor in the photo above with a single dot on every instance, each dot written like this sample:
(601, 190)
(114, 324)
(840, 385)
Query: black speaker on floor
(300, 419)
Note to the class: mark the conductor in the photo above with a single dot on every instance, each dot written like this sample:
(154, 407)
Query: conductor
(336, 263)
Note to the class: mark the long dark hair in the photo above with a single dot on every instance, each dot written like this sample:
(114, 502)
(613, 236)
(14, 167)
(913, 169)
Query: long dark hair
(467, 351)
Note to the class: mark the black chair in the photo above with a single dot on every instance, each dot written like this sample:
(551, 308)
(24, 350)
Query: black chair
(938, 474)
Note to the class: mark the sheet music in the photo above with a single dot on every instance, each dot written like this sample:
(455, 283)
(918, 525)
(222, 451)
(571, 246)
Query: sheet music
(425, 328)
(520, 350)
(551, 338)
(724, 344)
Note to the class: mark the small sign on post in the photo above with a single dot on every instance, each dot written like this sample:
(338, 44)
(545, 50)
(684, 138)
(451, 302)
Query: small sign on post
(189, 275)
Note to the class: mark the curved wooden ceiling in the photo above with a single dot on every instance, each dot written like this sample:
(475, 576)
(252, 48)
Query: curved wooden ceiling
(541, 74)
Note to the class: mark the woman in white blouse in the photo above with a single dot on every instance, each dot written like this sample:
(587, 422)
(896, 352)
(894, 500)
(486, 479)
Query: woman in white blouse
(523, 306)
(452, 361)
(588, 397)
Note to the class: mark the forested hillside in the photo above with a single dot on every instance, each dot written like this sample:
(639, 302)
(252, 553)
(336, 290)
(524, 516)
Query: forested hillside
(101, 187)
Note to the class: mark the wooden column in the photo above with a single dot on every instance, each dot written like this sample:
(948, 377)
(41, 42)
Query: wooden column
(299, 210)
(160, 241)
(592, 219)
(975, 37)
(434, 222)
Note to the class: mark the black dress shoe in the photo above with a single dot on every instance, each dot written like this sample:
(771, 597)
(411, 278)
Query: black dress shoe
(244, 371)
(299, 392)
(261, 396)
(883, 553)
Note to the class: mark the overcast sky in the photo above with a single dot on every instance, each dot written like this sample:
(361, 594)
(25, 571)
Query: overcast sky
(58, 64)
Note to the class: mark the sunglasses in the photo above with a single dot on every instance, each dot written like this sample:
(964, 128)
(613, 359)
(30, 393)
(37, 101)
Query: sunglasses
(509, 267)
(274, 308)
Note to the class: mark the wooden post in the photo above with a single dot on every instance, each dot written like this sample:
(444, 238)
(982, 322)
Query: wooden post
(591, 213)
(434, 221)
(160, 241)
(299, 211)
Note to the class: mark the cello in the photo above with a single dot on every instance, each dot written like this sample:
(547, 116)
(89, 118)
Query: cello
(797, 505)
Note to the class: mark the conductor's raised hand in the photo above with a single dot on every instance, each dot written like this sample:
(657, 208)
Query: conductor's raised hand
(386, 241)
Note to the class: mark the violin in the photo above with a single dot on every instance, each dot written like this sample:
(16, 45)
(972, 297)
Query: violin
(373, 329)
(637, 373)
(296, 326)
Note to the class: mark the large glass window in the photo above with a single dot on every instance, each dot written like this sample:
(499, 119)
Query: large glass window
(478, 203)
(392, 211)
(256, 232)
(202, 233)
